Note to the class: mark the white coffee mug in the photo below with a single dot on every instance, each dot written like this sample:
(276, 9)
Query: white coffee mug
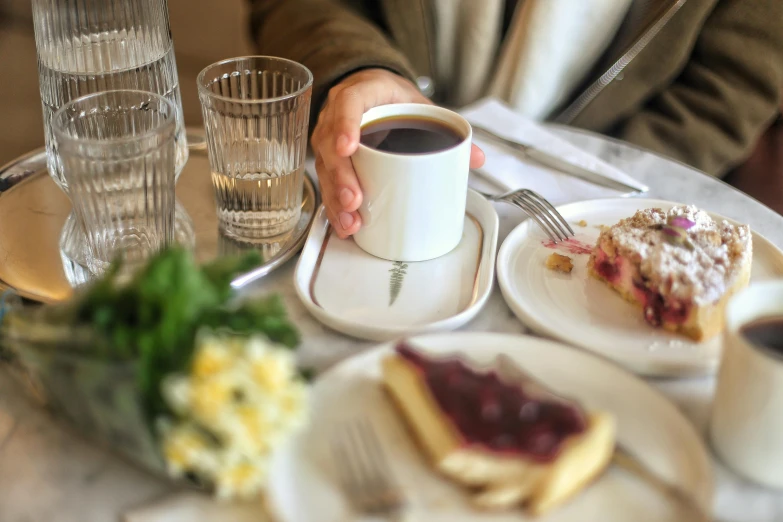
(747, 419)
(413, 206)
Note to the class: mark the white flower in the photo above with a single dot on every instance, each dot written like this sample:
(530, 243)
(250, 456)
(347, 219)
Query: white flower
(241, 399)
(292, 406)
(176, 393)
(187, 449)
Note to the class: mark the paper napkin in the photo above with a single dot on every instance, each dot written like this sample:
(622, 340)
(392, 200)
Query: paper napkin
(513, 171)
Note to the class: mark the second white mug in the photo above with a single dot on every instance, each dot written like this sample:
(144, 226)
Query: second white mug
(747, 418)
(414, 204)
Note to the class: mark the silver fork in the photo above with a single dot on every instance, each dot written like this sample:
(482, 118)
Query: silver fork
(364, 473)
(539, 209)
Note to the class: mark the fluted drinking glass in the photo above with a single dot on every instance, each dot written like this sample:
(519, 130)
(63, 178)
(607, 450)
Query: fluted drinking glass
(118, 153)
(256, 112)
(89, 46)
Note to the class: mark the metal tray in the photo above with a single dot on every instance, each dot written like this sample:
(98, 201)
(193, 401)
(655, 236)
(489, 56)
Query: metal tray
(41, 249)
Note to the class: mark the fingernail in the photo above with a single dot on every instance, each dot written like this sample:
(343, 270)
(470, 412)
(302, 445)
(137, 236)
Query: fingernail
(346, 220)
(346, 197)
(342, 142)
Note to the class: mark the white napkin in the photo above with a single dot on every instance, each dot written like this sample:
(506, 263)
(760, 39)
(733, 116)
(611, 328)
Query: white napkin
(512, 171)
(193, 507)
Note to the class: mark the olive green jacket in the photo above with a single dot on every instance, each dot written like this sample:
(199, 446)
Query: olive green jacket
(697, 80)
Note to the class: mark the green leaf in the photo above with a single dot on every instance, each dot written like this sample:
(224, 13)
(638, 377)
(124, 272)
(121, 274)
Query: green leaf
(398, 272)
(155, 317)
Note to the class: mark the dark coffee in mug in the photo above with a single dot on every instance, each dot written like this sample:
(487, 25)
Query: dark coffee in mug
(410, 135)
(765, 333)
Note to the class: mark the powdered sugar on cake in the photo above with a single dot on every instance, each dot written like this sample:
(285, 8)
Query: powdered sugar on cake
(699, 270)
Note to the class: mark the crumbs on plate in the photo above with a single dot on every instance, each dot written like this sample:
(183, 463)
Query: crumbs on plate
(559, 263)
(581, 223)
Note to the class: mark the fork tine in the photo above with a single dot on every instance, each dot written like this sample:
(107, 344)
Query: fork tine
(551, 207)
(363, 471)
(385, 491)
(375, 453)
(349, 470)
(538, 208)
(371, 478)
(546, 214)
(543, 215)
(346, 475)
(536, 215)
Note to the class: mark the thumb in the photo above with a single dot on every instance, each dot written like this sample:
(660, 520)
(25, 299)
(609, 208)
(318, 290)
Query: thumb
(476, 157)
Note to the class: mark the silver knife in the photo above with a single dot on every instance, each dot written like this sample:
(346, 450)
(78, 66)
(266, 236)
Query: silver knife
(549, 160)
(626, 460)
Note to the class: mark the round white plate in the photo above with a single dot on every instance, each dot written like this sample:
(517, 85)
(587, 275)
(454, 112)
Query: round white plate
(304, 485)
(582, 311)
(367, 297)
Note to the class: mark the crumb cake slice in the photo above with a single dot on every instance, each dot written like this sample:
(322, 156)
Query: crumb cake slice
(511, 446)
(681, 267)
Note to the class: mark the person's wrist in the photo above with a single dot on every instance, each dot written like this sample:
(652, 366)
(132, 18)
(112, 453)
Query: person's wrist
(372, 71)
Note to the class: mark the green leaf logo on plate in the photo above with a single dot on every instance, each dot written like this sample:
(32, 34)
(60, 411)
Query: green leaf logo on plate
(398, 272)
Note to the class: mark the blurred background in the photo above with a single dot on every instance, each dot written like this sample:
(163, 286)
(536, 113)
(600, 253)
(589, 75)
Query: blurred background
(206, 31)
(223, 32)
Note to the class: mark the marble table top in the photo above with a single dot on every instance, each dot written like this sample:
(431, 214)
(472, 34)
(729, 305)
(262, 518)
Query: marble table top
(48, 473)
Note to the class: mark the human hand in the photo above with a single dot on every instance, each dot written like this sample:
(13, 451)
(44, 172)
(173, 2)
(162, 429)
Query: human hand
(336, 137)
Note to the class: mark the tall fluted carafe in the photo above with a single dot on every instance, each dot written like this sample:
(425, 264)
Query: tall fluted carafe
(89, 46)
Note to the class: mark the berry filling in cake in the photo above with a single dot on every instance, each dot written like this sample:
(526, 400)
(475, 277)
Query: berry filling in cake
(680, 266)
(496, 415)
(657, 310)
(508, 439)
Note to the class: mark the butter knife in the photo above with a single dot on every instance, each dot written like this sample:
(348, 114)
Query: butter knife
(554, 162)
(623, 459)
(509, 370)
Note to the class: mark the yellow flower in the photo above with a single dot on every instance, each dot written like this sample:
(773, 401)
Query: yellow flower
(273, 371)
(183, 448)
(211, 358)
(245, 479)
(294, 402)
(240, 399)
(209, 397)
(256, 428)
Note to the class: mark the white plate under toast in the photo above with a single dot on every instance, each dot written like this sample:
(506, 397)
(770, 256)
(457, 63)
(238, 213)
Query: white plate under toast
(371, 298)
(304, 486)
(580, 310)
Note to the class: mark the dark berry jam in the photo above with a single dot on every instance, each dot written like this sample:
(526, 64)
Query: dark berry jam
(570, 245)
(657, 311)
(490, 413)
(607, 270)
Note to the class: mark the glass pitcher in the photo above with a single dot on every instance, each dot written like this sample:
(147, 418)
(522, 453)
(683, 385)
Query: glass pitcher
(88, 46)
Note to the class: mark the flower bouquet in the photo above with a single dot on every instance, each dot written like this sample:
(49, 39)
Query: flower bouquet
(167, 369)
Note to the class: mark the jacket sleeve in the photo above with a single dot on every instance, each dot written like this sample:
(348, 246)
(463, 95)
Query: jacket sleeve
(326, 36)
(730, 90)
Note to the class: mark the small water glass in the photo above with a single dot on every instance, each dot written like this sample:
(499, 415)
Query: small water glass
(119, 159)
(256, 112)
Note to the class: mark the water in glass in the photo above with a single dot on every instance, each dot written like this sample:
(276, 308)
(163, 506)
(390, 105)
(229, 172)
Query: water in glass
(256, 112)
(118, 158)
(89, 46)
